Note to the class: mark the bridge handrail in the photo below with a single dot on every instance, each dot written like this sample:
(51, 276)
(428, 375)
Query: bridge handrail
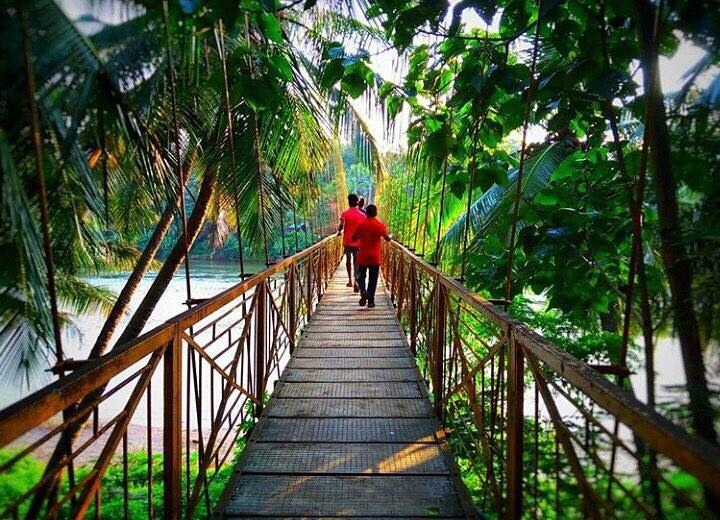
(268, 312)
(405, 273)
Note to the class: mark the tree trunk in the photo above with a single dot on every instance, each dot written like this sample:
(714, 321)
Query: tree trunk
(675, 260)
(133, 281)
(133, 329)
(172, 263)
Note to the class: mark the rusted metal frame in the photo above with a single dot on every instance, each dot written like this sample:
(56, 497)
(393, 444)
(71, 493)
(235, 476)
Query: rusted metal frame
(273, 352)
(515, 427)
(615, 439)
(468, 380)
(693, 454)
(292, 306)
(480, 365)
(116, 436)
(260, 348)
(203, 462)
(257, 305)
(39, 406)
(172, 427)
(53, 510)
(591, 501)
(228, 429)
(412, 311)
(476, 337)
(197, 386)
(49, 477)
(479, 420)
(227, 377)
(220, 415)
(243, 340)
(308, 287)
(227, 312)
(226, 332)
(401, 289)
(201, 311)
(438, 347)
(77, 416)
(609, 505)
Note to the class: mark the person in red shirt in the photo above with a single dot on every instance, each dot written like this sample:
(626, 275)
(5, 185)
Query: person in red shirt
(368, 235)
(349, 220)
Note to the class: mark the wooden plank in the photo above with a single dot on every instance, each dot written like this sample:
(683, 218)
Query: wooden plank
(402, 390)
(366, 429)
(347, 408)
(344, 496)
(345, 458)
(304, 375)
(348, 431)
(351, 363)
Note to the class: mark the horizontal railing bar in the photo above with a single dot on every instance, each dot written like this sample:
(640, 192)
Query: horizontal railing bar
(192, 316)
(692, 453)
(47, 402)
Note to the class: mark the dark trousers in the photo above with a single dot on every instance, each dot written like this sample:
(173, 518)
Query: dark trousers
(372, 272)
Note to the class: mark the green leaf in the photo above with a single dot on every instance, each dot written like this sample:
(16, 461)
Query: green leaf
(546, 199)
(281, 65)
(270, 27)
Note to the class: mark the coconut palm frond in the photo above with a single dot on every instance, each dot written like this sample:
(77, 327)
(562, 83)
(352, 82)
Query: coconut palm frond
(488, 210)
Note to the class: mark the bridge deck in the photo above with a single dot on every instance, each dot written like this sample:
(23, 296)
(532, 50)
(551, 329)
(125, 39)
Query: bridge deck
(349, 431)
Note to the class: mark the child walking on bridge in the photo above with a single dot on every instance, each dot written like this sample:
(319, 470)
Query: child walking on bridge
(367, 235)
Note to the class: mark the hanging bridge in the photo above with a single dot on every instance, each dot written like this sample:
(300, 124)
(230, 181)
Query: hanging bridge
(282, 398)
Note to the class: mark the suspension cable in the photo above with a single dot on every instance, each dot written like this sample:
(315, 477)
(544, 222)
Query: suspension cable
(258, 156)
(417, 219)
(295, 229)
(473, 171)
(40, 174)
(444, 178)
(427, 208)
(178, 161)
(231, 142)
(411, 207)
(521, 167)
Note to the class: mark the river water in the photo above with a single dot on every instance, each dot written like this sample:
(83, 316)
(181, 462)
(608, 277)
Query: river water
(210, 278)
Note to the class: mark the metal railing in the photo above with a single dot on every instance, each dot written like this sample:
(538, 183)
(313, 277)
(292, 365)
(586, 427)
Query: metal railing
(212, 364)
(535, 432)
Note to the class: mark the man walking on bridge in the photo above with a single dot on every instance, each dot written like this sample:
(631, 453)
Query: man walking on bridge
(368, 235)
(349, 220)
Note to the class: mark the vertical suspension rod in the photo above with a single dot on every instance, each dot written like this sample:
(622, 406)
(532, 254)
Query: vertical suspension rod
(231, 142)
(178, 161)
(40, 174)
(523, 151)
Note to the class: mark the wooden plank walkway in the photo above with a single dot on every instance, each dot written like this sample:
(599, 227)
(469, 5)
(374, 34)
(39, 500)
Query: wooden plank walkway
(349, 430)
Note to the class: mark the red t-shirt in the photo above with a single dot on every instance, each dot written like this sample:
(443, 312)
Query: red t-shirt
(369, 234)
(351, 217)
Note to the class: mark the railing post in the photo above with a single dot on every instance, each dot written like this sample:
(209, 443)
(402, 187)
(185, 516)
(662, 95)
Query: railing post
(309, 285)
(438, 347)
(172, 428)
(401, 289)
(260, 326)
(413, 310)
(292, 307)
(515, 389)
(318, 274)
